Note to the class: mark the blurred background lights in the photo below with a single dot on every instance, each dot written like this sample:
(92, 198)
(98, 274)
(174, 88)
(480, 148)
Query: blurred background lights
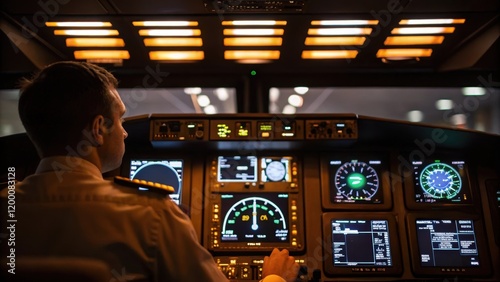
(473, 91)
(203, 100)
(301, 90)
(289, 110)
(296, 100)
(415, 116)
(444, 104)
(210, 110)
(222, 93)
(192, 90)
(274, 94)
(458, 120)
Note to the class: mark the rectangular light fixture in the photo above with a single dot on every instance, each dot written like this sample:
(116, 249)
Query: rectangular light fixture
(335, 40)
(165, 23)
(253, 41)
(101, 54)
(404, 53)
(176, 55)
(169, 32)
(254, 32)
(94, 42)
(339, 31)
(86, 32)
(251, 54)
(414, 40)
(430, 21)
(422, 30)
(344, 22)
(173, 41)
(250, 23)
(329, 54)
(78, 24)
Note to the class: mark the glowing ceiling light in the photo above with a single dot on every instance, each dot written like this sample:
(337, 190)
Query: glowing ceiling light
(473, 91)
(296, 100)
(251, 54)
(222, 93)
(203, 100)
(444, 104)
(301, 89)
(413, 40)
(86, 32)
(339, 31)
(329, 54)
(210, 110)
(253, 41)
(173, 41)
(165, 23)
(78, 24)
(263, 22)
(430, 21)
(422, 30)
(254, 31)
(289, 110)
(415, 116)
(176, 55)
(101, 54)
(94, 42)
(274, 94)
(344, 22)
(335, 40)
(192, 90)
(404, 53)
(169, 32)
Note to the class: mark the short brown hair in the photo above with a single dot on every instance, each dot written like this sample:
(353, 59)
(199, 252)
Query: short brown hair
(59, 102)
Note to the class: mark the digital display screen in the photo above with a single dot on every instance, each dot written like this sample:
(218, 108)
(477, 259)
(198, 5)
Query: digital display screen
(254, 218)
(357, 242)
(447, 243)
(356, 181)
(237, 169)
(276, 169)
(168, 172)
(441, 182)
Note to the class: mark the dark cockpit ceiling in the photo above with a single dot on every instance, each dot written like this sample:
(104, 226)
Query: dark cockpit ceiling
(469, 51)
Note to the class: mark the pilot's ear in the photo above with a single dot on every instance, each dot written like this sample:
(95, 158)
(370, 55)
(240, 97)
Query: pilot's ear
(98, 129)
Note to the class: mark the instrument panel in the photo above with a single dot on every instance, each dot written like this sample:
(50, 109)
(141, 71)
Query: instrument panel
(348, 202)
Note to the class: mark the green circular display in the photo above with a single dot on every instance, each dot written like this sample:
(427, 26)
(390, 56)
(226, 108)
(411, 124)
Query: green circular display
(440, 181)
(356, 181)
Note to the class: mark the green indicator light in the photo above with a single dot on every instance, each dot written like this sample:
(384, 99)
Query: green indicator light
(253, 72)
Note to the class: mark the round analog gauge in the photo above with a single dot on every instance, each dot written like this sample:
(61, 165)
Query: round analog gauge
(440, 181)
(356, 181)
(254, 218)
(275, 171)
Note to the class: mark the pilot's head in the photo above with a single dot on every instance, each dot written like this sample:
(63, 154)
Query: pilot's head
(73, 108)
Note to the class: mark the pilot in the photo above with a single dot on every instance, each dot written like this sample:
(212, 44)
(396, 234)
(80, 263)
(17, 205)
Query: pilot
(72, 112)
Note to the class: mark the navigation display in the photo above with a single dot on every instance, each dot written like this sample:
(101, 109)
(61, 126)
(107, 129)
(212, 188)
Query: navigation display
(448, 243)
(445, 242)
(440, 181)
(254, 218)
(359, 243)
(168, 172)
(237, 169)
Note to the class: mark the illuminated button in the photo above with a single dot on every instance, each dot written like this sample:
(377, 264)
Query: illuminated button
(293, 185)
(293, 207)
(232, 261)
(247, 184)
(216, 216)
(294, 232)
(216, 242)
(265, 134)
(294, 218)
(294, 244)
(216, 210)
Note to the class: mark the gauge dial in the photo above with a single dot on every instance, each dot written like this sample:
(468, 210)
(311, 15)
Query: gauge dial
(356, 181)
(440, 181)
(275, 171)
(254, 219)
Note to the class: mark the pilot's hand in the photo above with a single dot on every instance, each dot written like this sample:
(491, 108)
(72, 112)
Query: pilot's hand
(282, 264)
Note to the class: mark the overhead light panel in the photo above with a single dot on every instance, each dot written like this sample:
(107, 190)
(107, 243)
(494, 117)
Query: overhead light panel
(254, 32)
(335, 40)
(101, 54)
(431, 21)
(344, 22)
(404, 53)
(422, 30)
(414, 40)
(173, 41)
(251, 54)
(165, 23)
(329, 54)
(176, 55)
(339, 31)
(253, 23)
(94, 42)
(78, 24)
(253, 41)
(169, 32)
(86, 32)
